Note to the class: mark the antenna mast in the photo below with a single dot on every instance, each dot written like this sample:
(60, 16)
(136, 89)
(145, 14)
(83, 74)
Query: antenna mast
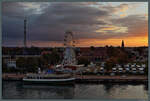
(25, 21)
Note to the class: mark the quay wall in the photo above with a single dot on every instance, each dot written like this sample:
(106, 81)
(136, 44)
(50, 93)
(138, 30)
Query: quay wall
(89, 78)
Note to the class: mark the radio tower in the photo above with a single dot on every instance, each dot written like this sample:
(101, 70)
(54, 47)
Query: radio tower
(25, 44)
(25, 21)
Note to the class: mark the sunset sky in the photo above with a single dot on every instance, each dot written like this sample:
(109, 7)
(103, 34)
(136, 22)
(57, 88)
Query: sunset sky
(92, 23)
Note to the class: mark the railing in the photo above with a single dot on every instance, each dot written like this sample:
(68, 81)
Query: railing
(21, 55)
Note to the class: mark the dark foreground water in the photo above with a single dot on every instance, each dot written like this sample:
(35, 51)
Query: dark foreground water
(16, 90)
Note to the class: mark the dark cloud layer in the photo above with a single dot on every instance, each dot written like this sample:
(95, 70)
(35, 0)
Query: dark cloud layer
(49, 21)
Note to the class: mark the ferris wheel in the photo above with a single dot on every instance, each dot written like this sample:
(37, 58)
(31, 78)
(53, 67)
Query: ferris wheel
(69, 39)
(69, 54)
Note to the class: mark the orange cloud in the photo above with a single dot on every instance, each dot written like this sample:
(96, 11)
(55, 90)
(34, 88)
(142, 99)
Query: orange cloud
(113, 28)
(123, 15)
(46, 43)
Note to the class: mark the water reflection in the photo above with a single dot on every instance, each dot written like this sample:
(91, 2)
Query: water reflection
(108, 87)
(146, 87)
(79, 91)
(47, 91)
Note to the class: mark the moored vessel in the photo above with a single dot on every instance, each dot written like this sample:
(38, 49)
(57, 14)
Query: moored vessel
(49, 79)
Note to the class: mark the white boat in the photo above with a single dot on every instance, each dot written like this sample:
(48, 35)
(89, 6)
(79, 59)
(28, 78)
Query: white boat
(48, 79)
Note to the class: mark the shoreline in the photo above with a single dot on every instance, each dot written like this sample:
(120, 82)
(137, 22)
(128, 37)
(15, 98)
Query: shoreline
(89, 78)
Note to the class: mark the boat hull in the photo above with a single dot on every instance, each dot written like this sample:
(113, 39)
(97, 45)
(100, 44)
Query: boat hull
(69, 81)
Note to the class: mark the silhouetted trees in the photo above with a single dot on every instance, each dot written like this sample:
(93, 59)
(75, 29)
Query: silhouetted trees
(110, 63)
(27, 64)
(83, 60)
(51, 58)
(116, 56)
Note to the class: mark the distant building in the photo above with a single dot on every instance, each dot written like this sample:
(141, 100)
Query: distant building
(97, 55)
(45, 52)
(10, 63)
(122, 44)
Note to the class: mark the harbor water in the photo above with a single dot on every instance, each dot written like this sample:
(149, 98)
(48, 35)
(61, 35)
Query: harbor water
(16, 90)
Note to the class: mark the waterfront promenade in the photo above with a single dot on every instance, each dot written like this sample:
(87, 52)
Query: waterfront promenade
(90, 78)
(107, 78)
